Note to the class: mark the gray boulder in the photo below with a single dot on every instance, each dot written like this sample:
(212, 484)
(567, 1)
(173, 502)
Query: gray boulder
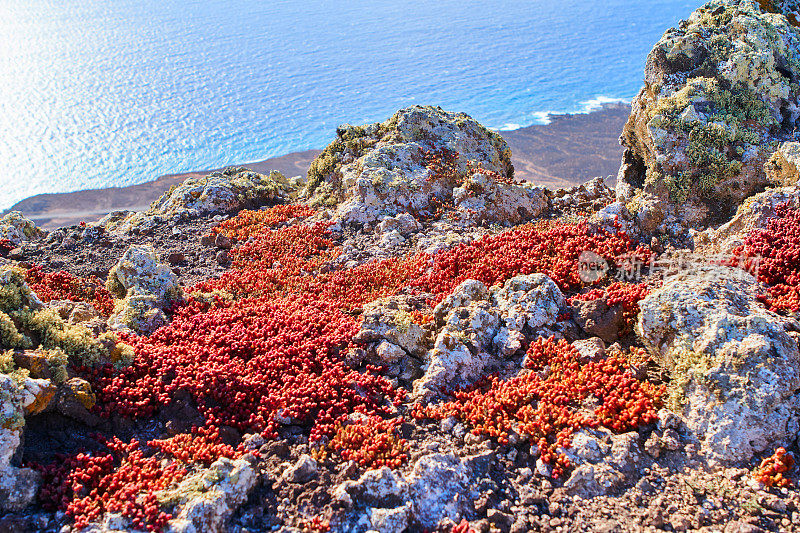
(720, 95)
(735, 368)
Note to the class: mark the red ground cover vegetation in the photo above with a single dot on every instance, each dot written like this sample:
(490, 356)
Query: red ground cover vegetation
(551, 249)
(777, 247)
(62, 285)
(772, 469)
(248, 223)
(122, 480)
(268, 346)
(372, 443)
(545, 405)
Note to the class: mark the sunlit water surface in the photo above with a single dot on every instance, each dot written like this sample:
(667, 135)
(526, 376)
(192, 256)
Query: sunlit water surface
(96, 93)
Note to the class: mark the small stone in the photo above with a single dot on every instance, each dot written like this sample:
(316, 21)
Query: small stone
(592, 349)
(739, 526)
(653, 445)
(520, 525)
(671, 440)
(471, 438)
(82, 312)
(597, 318)
(388, 352)
(680, 522)
(16, 254)
(645, 486)
(75, 399)
(447, 424)
(207, 240)
(222, 257)
(390, 520)
(253, 441)
(303, 470)
(500, 520)
(223, 241)
(176, 257)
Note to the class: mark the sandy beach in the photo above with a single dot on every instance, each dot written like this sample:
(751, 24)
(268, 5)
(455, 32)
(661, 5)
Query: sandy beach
(570, 150)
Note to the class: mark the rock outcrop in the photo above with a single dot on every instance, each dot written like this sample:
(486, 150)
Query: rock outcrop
(143, 287)
(439, 487)
(17, 228)
(219, 192)
(720, 95)
(207, 499)
(420, 159)
(479, 327)
(734, 366)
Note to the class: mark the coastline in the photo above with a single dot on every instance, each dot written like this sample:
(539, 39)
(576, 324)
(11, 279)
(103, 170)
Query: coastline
(568, 150)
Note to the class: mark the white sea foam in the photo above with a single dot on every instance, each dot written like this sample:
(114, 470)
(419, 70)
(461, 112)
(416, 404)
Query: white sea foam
(598, 102)
(546, 117)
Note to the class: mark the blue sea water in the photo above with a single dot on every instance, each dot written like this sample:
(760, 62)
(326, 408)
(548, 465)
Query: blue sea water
(95, 93)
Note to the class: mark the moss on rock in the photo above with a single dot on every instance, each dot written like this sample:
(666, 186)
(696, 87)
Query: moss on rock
(721, 92)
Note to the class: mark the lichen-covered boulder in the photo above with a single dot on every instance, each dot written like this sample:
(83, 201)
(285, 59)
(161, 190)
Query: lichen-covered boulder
(390, 319)
(735, 370)
(463, 346)
(530, 301)
(720, 94)
(478, 327)
(207, 499)
(417, 161)
(18, 486)
(219, 192)
(142, 287)
(439, 486)
(17, 228)
(222, 191)
(484, 198)
(382, 487)
(444, 486)
(139, 271)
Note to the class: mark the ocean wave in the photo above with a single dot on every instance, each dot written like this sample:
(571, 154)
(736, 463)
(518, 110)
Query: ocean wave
(543, 118)
(598, 102)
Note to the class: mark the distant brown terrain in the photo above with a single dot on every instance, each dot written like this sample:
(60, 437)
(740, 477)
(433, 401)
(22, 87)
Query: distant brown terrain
(570, 150)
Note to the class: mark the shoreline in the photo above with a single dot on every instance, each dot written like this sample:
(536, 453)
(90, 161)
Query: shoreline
(570, 149)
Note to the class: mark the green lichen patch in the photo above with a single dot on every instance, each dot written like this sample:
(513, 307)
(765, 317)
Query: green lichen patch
(383, 145)
(324, 174)
(721, 91)
(686, 366)
(25, 324)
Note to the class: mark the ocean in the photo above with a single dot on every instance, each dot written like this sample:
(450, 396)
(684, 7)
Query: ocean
(97, 94)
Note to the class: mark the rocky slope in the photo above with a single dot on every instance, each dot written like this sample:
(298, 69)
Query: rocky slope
(410, 340)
